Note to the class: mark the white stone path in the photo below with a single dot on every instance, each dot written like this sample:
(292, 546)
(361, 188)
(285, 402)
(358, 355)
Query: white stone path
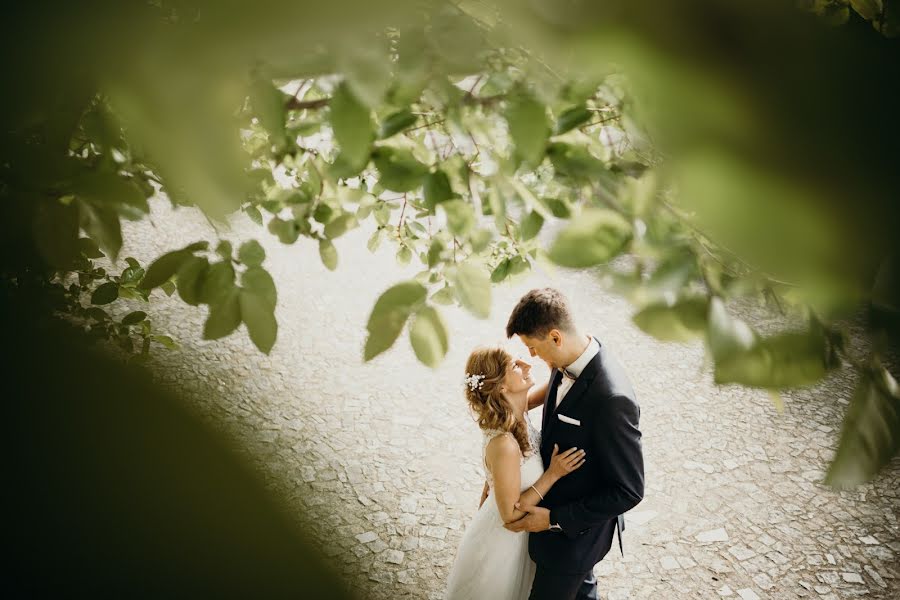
(382, 459)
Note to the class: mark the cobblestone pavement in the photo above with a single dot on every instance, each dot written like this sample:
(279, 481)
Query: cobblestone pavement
(382, 459)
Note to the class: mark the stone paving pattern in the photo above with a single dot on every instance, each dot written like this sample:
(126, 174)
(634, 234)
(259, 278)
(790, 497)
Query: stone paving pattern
(381, 459)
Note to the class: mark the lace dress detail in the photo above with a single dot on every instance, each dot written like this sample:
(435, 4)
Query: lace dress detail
(534, 439)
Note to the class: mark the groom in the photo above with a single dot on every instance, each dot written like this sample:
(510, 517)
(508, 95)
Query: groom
(589, 404)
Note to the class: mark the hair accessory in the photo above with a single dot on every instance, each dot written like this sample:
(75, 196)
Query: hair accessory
(474, 381)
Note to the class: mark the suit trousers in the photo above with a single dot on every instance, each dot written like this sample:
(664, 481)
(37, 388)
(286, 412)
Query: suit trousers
(564, 586)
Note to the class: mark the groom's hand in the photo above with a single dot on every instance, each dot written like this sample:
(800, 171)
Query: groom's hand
(536, 519)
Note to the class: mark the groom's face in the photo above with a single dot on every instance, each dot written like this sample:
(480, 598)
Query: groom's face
(546, 348)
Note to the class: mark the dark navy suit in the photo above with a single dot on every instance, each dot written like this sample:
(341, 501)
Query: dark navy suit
(589, 502)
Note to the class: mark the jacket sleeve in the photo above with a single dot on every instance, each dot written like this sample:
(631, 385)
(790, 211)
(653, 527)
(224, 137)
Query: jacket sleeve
(617, 443)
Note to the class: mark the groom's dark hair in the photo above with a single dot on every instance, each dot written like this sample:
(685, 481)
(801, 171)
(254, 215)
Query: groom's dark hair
(538, 312)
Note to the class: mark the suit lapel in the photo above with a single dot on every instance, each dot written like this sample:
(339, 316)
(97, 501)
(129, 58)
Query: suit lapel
(550, 405)
(580, 386)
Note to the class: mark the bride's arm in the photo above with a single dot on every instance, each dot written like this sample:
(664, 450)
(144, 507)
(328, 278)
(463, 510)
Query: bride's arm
(503, 459)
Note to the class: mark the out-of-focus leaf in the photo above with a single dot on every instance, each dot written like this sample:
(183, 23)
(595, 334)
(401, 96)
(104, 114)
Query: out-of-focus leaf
(251, 253)
(398, 169)
(166, 265)
(437, 189)
(257, 311)
(571, 118)
(269, 104)
(783, 361)
(528, 127)
(679, 322)
(224, 316)
(531, 226)
(404, 255)
(328, 254)
(428, 336)
(165, 340)
(218, 283)
(725, 334)
(559, 208)
(190, 279)
(90, 249)
(367, 67)
(500, 271)
(105, 293)
(102, 224)
(595, 237)
(473, 289)
(870, 436)
(286, 230)
(444, 296)
(111, 191)
(133, 318)
(460, 216)
(389, 315)
(352, 126)
(259, 282)
(55, 229)
(375, 241)
(339, 226)
(575, 162)
(396, 122)
(434, 253)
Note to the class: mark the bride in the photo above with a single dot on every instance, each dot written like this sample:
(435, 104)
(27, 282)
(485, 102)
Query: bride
(492, 562)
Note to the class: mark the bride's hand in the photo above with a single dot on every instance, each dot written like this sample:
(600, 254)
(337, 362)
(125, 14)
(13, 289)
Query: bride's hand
(563, 464)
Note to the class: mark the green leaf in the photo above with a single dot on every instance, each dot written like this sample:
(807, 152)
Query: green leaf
(352, 126)
(168, 287)
(389, 315)
(339, 226)
(165, 340)
(428, 336)
(328, 254)
(783, 361)
(473, 289)
(258, 313)
(460, 216)
(870, 436)
(404, 255)
(531, 226)
(134, 318)
(190, 279)
(437, 189)
(89, 248)
(218, 283)
(559, 208)
(435, 249)
(97, 314)
(500, 271)
(374, 241)
(596, 237)
(528, 127)
(679, 322)
(480, 239)
(286, 231)
(575, 162)
(258, 281)
(269, 105)
(251, 253)
(725, 335)
(224, 316)
(254, 214)
(102, 224)
(162, 269)
(444, 296)
(111, 191)
(518, 264)
(398, 169)
(396, 122)
(572, 118)
(105, 293)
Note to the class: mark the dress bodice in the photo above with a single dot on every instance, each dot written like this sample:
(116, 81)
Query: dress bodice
(528, 462)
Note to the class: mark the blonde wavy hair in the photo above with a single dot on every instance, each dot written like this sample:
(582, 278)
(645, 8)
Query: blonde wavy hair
(489, 407)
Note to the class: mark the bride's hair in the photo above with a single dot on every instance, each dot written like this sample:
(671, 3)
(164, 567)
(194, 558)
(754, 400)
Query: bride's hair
(490, 408)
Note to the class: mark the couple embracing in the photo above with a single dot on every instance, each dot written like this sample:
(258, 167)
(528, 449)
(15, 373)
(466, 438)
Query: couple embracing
(554, 498)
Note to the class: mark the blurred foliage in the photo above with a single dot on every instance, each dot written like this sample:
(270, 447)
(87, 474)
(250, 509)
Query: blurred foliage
(728, 150)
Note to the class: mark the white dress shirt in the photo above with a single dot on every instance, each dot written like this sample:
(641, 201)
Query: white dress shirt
(576, 368)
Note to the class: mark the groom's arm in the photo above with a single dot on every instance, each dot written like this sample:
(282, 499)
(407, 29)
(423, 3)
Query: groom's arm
(617, 442)
(536, 396)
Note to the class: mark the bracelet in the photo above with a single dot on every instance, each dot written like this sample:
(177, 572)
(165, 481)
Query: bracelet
(537, 492)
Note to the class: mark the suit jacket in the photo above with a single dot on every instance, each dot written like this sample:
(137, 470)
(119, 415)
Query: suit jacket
(588, 503)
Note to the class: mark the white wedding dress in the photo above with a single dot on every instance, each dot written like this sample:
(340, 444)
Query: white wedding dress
(492, 562)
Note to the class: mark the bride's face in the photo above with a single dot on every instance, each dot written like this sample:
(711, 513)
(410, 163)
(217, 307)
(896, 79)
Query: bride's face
(517, 378)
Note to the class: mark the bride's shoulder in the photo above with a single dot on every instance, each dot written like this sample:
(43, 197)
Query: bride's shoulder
(501, 443)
